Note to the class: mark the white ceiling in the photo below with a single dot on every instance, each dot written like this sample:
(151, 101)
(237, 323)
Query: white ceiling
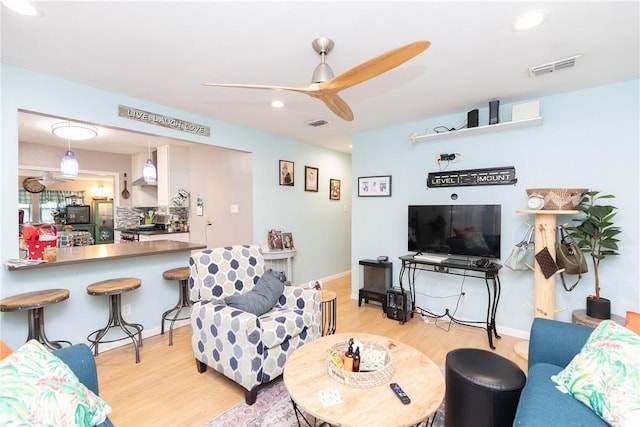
(162, 51)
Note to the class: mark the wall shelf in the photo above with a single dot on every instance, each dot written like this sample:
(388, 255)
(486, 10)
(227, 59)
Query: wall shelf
(536, 121)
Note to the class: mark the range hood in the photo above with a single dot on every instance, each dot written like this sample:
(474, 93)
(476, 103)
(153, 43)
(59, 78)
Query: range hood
(140, 182)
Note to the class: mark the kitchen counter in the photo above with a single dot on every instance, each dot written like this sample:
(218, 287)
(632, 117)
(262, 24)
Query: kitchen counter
(112, 251)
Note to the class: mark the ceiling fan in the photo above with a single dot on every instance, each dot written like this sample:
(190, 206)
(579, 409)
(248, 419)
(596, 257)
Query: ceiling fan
(325, 86)
(37, 184)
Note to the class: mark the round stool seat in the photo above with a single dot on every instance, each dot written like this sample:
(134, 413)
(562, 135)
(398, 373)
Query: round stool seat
(114, 286)
(482, 388)
(180, 273)
(35, 302)
(35, 299)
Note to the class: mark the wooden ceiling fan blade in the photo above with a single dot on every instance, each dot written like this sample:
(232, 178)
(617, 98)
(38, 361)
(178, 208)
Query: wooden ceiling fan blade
(376, 66)
(249, 86)
(336, 104)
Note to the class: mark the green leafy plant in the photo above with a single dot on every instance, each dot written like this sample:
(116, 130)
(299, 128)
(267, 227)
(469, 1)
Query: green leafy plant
(595, 233)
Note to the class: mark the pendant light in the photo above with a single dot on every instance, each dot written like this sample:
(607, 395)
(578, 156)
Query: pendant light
(149, 170)
(69, 163)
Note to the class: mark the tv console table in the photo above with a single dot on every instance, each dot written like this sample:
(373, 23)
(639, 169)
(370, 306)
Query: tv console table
(410, 266)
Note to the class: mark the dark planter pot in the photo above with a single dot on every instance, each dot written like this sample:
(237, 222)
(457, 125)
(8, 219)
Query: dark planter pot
(599, 308)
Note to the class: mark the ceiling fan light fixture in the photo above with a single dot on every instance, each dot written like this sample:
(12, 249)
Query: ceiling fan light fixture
(74, 131)
(47, 179)
(322, 73)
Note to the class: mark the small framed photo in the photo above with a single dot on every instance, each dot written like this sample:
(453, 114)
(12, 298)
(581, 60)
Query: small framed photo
(374, 186)
(310, 178)
(287, 241)
(274, 239)
(286, 173)
(334, 189)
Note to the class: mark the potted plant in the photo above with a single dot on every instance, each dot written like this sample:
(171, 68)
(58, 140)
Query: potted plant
(595, 235)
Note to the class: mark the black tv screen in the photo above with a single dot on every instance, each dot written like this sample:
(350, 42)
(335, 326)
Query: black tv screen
(462, 230)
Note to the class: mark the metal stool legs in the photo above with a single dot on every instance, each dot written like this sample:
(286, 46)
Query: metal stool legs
(36, 329)
(183, 302)
(116, 320)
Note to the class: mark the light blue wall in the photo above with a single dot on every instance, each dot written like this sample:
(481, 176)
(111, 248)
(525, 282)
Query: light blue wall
(589, 139)
(321, 228)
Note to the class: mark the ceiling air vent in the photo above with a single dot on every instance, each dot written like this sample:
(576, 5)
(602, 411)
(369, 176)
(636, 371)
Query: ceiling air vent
(550, 67)
(319, 122)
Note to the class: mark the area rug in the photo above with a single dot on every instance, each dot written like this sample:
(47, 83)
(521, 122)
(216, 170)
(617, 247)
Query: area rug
(273, 408)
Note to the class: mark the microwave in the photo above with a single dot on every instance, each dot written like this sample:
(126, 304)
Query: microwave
(80, 214)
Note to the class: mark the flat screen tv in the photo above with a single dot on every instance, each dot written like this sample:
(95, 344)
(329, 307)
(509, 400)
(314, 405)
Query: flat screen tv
(456, 230)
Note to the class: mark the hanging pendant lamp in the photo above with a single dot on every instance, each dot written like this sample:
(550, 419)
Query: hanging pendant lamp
(149, 170)
(69, 164)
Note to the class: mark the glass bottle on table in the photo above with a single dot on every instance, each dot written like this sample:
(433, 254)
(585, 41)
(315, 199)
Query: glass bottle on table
(356, 360)
(348, 358)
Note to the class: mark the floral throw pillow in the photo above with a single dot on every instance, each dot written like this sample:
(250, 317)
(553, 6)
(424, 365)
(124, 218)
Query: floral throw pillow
(605, 375)
(39, 389)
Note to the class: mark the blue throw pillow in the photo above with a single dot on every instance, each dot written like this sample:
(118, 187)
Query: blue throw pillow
(261, 298)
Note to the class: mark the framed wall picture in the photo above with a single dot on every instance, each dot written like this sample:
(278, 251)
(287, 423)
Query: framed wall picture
(374, 186)
(310, 178)
(286, 173)
(334, 189)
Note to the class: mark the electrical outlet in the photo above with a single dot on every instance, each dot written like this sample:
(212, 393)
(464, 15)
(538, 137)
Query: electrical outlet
(126, 309)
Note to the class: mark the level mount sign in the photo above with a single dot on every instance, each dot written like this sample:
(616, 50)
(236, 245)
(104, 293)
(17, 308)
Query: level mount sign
(465, 178)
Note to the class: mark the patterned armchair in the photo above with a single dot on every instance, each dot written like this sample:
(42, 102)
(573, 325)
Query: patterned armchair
(248, 349)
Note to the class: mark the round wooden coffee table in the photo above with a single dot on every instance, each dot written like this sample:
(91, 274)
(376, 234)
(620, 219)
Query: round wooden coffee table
(305, 373)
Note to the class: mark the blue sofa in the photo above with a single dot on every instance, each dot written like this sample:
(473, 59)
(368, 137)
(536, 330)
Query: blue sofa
(552, 345)
(80, 359)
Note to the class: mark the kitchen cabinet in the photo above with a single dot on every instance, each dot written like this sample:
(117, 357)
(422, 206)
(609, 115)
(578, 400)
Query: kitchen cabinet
(142, 195)
(173, 173)
(179, 237)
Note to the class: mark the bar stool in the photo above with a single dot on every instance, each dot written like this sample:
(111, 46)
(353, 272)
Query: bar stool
(35, 303)
(114, 289)
(182, 275)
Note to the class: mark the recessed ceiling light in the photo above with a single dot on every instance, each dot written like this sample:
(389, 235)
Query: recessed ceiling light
(529, 20)
(277, 104)
(23, 7)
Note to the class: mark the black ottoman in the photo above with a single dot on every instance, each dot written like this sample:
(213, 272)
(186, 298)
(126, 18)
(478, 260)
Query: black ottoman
(483, 389)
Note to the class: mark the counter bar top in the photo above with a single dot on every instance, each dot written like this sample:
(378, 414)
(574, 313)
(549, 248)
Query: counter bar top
(108, 252)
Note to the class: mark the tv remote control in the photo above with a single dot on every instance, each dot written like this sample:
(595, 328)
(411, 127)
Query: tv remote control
(400, 393)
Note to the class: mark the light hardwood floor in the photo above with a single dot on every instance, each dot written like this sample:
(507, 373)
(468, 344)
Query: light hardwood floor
(165, 389)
